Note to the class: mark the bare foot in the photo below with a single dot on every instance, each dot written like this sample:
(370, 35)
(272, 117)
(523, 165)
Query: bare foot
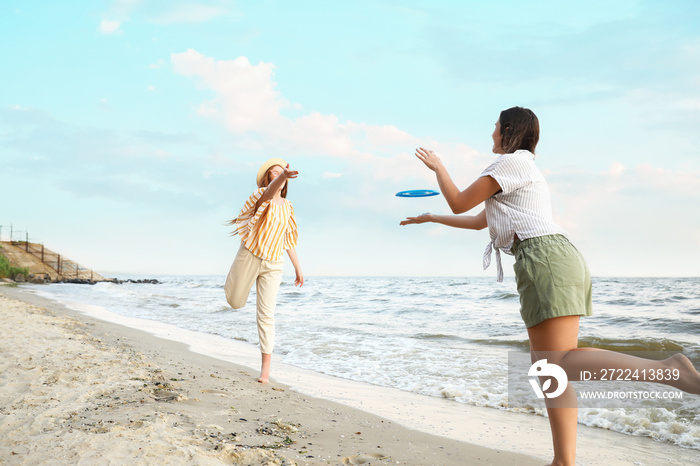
(689, 380)
(556, 463)
(265, 368)
(264, 375)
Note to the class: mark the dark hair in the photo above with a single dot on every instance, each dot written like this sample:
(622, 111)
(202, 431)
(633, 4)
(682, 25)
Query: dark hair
(266, 181)
(520, 129)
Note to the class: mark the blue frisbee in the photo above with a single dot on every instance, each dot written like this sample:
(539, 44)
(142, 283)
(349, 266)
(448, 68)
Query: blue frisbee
(417, 193)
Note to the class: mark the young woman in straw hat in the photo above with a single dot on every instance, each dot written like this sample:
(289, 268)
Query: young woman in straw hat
(267, 227)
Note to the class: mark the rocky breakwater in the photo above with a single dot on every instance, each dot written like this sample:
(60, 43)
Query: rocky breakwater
(151, 281)
(84, 281)
(29, 278)
(46, 279)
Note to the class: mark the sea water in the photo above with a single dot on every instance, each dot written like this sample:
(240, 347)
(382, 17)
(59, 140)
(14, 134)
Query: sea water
(439, 337)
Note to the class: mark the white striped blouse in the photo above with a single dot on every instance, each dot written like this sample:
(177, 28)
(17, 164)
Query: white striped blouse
(523, 207)
(268, 231)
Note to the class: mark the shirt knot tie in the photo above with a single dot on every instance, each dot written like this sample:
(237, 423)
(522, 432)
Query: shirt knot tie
(487, 260)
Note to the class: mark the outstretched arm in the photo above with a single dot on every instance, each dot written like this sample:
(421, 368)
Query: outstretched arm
(459, 201)
(470, 222)
(275, 185)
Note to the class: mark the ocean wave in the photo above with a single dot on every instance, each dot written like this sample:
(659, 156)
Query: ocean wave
(670, 299)
(503, 295)
(437, 336)
(661, 345)
(222, 309)
(523, 344)
(633, 345)
(619, 302)
(656, 423)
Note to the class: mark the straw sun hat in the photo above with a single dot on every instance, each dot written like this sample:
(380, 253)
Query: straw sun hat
(267, 165)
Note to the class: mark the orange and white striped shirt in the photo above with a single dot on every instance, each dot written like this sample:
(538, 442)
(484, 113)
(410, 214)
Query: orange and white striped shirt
(268, 231)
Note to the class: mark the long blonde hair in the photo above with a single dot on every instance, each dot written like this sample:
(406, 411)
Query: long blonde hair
(264, 183)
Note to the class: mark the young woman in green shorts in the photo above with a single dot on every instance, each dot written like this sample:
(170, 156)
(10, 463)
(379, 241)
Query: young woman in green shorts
(552, 277)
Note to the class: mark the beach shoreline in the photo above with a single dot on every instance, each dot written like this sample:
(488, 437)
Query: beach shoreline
(170, 401)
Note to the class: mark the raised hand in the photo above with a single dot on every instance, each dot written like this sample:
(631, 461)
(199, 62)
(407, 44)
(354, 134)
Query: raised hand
(429, 158)
(290, 173)
(422, 218)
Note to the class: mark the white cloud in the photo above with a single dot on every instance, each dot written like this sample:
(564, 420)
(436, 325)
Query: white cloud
(116, 15)
(110, 26)
(678, 183)
(584, 197)
(246, 98)
(616, 170)
(320, 134)
(330, 176)
(160, 13)
(388, 135)
(248, 103)
(188, 13)
(151, 88)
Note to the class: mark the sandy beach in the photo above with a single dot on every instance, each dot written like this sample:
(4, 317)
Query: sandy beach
(79, 390)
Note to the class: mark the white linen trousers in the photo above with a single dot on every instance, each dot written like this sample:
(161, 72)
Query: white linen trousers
(267, 276)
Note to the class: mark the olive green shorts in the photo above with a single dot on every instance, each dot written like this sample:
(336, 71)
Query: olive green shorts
(553, 279)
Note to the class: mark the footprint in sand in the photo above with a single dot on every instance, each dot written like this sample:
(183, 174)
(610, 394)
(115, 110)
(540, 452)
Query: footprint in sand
(216, 392)
(362, 459)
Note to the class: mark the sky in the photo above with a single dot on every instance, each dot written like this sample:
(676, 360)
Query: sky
(132, 130)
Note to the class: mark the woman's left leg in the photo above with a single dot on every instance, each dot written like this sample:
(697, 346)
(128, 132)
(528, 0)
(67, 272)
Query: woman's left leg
(559, 334)
(678, 369)
(267, 286)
